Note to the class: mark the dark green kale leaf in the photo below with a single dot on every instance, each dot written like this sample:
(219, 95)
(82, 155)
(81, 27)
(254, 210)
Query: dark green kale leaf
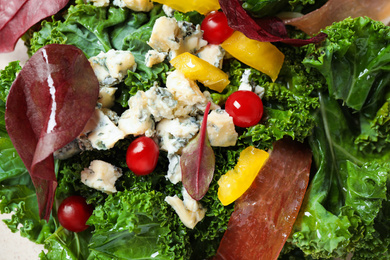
(7, 77)
(137, 224)
(288, 103)
(355, 60)
(344, 202)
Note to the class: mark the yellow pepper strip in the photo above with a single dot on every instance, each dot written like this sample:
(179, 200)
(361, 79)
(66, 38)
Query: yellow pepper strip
(262, 56)
(236, 181)
(197, 69)
(201, 6)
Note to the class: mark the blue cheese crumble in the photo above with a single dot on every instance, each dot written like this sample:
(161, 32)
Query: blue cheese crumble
(101, 176)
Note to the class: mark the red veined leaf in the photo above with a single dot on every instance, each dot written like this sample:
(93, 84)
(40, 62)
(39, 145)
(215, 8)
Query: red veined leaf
(48, 105)
(337, 10)
(269, 29)
(8, 9)
(19, 17)
(264, 215)
(197, 162)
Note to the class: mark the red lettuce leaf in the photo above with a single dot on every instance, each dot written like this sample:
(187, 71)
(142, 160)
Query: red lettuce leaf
(269, 29)
(264, 215)
(338, 10)
(48, 105)
(197, 162)
(19, 17)
(8, 9)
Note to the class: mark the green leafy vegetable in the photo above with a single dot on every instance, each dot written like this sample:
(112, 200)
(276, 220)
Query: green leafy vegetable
(197, 162)
(345, 195)
(139, 218)
(355, 60)
(7, 77)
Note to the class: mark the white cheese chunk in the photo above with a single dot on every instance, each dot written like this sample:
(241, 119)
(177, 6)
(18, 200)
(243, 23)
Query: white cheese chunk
(107, 96)
(220, 129)
(165, 35)
(169, 11)
(190, 99)
(101, 176)
(67, 151)
(137, 120)
(153, 57)
(111, 67)
(160, 103)
(135, 5)
(213, 54)
(174, 170)
(189, 210)
(105, 134)
(246, 84)
(175, 133)
(100, 3)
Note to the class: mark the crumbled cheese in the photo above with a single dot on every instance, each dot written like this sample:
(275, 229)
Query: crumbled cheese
(107, 96)
(220, 129)
(135, 5)
(160, 103)
(174, 170)
(101, 176)
(137, 120)
(165, 35)
(67, 151)
(111, 67)
(213, 54)
(105, 134)
(189, 210)
(100, 3)
(175, 133)
(246, 84)
(190, 99)
(153, 57)
(169, 11)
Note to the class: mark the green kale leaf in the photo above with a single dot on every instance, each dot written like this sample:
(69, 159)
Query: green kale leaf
(344, 202)
(7, 77)
(355, 60)
(137, 224)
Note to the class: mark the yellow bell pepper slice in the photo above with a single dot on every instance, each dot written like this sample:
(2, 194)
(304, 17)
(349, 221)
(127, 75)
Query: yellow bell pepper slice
(236, 181)
(201, 6)
(262, 56)
(197, 69)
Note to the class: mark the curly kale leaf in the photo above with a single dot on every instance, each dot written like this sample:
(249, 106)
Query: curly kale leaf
(374, 134)
(288, 103)
(137, 224)
(7, 77)
(355, 60)
(344, 204)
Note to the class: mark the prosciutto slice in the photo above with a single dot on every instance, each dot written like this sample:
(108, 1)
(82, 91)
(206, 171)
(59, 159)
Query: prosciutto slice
(338, 10)
(265, 213)
(17, 16)
(48, 105)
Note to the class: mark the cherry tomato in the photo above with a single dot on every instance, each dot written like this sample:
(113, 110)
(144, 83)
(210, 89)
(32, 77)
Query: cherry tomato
(142, 155)
(215, 28)
(73, 213)
(245, 107)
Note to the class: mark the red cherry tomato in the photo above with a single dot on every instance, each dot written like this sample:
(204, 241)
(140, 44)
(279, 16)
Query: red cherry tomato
(142, 155)
(73, 213)
(215, 28)
(245, 107)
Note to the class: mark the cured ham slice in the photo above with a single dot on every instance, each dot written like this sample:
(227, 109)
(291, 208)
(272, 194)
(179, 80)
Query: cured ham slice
(338, 10)
(264, 215)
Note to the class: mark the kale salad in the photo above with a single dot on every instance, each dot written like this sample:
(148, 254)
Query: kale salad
(106, 79)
